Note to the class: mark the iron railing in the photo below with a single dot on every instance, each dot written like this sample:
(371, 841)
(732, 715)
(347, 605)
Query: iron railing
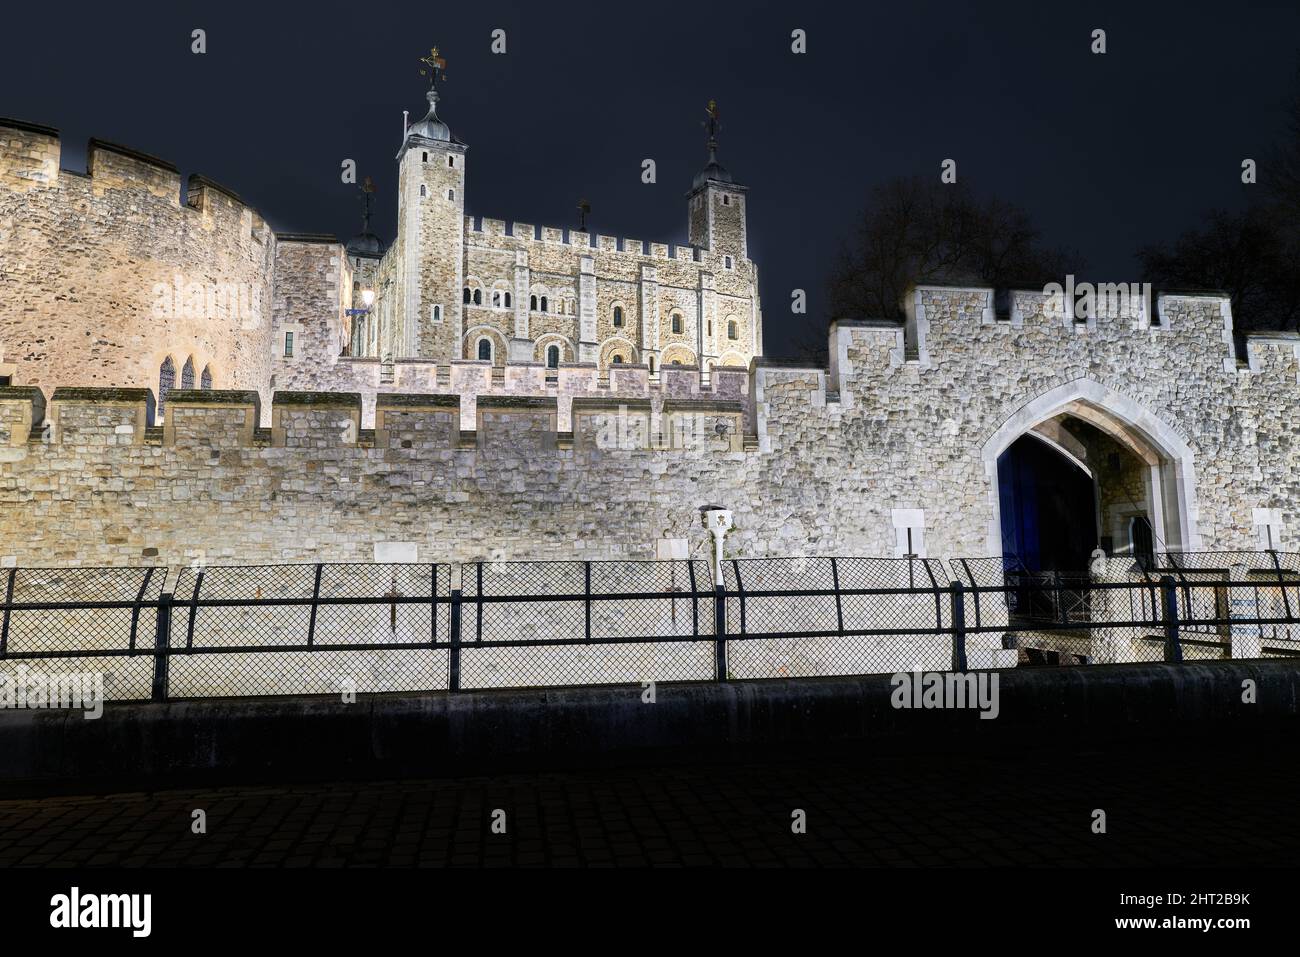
(339, 628)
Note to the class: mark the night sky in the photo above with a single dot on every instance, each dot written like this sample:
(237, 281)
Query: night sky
(1106, 152)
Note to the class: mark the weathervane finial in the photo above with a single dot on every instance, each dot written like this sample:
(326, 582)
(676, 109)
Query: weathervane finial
(367, 194)
(712, 124)
(435, 67)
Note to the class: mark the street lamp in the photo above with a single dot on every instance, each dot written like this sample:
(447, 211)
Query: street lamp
(718, 521)
(368, 298)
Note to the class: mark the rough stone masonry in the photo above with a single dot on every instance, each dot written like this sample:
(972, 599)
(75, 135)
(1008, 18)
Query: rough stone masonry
(515, 392)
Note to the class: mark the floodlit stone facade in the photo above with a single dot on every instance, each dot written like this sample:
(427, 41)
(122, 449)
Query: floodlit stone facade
(111, 278)
(180, 383)
(882, 454)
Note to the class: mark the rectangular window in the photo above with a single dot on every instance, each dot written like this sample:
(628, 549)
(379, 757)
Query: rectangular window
(726, 261)
(4, 381)
(288, 345)
(451, 195)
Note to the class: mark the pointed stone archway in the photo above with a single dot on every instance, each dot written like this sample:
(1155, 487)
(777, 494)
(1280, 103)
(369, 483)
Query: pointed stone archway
(1167, 460)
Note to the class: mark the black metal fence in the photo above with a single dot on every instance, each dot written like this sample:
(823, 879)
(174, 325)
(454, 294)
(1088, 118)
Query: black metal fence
(334, 628)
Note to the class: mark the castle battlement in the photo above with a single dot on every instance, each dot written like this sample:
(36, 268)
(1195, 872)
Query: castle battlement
(203, 422)
(30, 157)
(1196, 325)
(489, 228)
(871, 456)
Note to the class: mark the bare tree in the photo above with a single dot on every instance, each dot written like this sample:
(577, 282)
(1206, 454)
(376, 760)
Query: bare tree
(1280, 176)
(1249, 255)
(918, 231)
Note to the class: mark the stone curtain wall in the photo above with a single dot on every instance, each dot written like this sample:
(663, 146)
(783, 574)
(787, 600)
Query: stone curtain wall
(80, 256)
(833, 460)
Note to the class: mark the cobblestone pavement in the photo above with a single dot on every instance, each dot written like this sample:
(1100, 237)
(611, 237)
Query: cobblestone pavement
(1218, 809)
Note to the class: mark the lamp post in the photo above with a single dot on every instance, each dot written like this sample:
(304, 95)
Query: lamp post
(718, 521)
(368, 299)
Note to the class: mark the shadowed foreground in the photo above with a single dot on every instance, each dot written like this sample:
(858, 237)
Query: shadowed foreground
(1211, 807)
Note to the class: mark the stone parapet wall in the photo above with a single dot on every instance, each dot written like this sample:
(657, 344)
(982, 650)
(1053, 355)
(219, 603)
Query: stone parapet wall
(104, 275)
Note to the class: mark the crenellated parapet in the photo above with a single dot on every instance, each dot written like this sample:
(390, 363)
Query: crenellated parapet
(174, 279)
(311, 423)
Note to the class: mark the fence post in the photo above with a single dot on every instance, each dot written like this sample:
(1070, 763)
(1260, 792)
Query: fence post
(315, 598)
(586, 604)
(161, 644)
(720, 631)
(1060, 598)
(453, 658)
(9, 600)
(958, 594)
(1169, 594)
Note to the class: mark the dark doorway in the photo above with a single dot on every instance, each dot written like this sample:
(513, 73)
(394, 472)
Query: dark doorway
(1049, 508)
(1144, 547)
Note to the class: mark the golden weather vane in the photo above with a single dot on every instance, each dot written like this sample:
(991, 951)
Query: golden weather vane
(436, 66)
(713, 123)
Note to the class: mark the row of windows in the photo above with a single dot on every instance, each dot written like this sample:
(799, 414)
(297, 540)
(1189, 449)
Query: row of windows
(474, 297)
(451, 193)
(424, 158)
(502, 299)
(484, 351)
(167, 379)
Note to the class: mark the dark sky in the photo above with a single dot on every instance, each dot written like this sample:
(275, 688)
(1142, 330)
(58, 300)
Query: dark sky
(1106, 152)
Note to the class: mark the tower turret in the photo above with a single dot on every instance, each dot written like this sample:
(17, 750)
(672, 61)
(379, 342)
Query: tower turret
(716, 202)
(431, 232)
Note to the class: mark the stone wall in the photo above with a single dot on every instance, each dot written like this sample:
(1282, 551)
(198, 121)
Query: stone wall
(647, 282)
(105, 275)
(835, 462)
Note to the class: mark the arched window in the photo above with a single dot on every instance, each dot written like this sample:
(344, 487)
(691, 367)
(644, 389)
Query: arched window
(166, 382)
(618, 315)
(205, 380)
(731, 329)
(676, 362)
(618, 359)
(507, 300)
(651, 360)
(496, 298)
(552, 357)
(469, 296)
(543, 304)
(677, 324)
(187, 374)
(485, 349)
(532, 303)
(478, 297)
(424, 191)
